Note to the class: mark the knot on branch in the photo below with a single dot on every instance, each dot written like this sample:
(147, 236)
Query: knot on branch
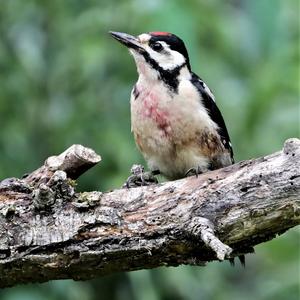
(58, 187)
(292, 147)
(43, 197)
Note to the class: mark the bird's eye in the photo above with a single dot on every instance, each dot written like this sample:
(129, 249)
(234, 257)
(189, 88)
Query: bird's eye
(156, 46)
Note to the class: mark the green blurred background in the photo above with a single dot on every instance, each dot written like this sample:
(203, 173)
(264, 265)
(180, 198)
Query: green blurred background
(63, 80)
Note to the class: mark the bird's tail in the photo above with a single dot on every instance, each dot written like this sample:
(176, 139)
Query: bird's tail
(241, 258)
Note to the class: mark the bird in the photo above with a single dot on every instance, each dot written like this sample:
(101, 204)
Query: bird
(175, 121)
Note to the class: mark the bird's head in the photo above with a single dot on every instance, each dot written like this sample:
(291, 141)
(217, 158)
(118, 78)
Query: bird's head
(156, 52)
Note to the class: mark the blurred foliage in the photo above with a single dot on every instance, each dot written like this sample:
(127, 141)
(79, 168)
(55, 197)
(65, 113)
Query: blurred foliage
(63, 80)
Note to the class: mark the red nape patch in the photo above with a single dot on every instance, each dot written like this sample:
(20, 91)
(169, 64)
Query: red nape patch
(160, 33)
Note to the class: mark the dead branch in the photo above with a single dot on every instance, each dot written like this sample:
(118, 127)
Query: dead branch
(48, 231)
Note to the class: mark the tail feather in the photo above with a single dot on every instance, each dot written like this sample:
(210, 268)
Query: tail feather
(242, 260)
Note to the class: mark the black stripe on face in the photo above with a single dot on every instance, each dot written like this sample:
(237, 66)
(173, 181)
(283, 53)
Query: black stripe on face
(169, 77)
(175, 43)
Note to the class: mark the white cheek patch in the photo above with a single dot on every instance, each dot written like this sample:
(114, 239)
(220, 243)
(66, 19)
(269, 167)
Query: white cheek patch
(178, 58)
(167, 59)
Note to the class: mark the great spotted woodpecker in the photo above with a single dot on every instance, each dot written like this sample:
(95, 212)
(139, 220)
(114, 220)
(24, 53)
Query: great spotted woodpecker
(175, 121)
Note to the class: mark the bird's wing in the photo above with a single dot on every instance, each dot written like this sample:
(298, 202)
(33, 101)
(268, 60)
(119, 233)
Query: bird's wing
(213, 111)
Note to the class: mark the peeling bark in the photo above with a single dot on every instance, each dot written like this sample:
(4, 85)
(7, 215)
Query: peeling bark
(48, 231)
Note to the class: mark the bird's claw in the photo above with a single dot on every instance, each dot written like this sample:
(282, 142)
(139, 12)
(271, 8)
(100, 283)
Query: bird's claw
(193, 171)
(139, 177)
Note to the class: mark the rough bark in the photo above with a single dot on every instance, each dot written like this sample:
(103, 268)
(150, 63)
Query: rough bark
(47, 231)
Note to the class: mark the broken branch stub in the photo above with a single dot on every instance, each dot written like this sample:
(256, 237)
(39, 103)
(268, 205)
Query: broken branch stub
(76, 160)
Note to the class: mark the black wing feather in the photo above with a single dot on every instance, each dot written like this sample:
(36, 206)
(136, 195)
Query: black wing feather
(213, 112)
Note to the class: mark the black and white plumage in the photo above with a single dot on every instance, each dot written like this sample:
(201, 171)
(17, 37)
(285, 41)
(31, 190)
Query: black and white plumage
(175, 121)
(208, 101)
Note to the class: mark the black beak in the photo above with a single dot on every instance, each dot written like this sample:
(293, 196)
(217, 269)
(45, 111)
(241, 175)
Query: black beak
(127, 40)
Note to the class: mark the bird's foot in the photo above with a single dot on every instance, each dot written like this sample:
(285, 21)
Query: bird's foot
(139, 177)
(194, 171)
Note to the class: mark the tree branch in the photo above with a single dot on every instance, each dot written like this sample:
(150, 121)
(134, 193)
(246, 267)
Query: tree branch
(47, 231)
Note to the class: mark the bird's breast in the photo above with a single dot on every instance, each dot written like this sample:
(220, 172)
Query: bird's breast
(150, 115)
(157, 113)
(173, 131)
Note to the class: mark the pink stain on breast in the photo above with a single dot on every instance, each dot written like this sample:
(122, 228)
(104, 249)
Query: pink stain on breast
(152, 111)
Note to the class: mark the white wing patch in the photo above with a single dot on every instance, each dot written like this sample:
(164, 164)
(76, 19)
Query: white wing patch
(208, 91)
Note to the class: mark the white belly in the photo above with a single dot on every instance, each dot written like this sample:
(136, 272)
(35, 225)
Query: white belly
(167, 129)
